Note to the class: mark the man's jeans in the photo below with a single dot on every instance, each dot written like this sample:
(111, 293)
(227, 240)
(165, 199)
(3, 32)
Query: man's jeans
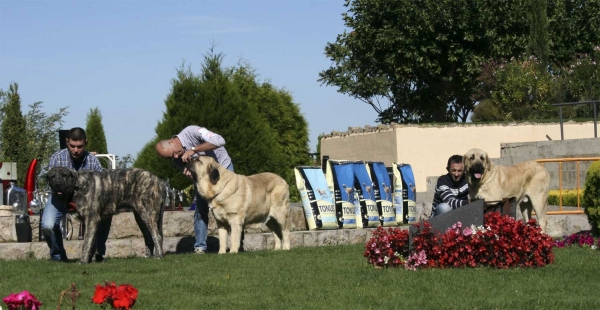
(201, 220)
(53, 214)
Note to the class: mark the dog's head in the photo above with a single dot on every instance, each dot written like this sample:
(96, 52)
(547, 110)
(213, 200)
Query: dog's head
(207, 173)
(62, 182)
(477, 163)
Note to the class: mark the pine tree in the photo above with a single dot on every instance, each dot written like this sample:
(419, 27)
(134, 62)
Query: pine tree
(262, 126)
(285, 121)
(14, 145)
(95, 135)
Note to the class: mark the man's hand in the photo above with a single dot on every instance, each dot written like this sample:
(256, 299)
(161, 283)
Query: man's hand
(188, 174)
(187, 156)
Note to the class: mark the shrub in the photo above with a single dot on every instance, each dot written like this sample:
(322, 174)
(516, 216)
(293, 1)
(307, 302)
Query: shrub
(591, 197)
(502, 243)
(569, 197)
(487, 111)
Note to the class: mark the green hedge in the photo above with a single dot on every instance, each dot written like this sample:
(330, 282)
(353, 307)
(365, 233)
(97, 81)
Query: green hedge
(591, 197)
(569, 197)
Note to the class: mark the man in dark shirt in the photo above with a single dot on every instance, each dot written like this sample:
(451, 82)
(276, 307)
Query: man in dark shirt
(452, 190)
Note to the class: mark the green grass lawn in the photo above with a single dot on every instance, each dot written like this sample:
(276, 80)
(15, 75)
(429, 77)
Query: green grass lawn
(313, 278)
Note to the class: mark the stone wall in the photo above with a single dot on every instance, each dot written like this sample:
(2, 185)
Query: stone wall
(175, 224)
(426, 147)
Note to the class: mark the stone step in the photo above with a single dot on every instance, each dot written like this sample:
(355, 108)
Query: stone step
(125, 238)
(134, 247)
(175, 224)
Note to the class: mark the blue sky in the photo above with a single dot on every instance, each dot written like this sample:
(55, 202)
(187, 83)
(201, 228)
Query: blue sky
(121, 56)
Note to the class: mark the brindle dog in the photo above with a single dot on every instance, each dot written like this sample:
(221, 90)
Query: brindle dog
(95, 195)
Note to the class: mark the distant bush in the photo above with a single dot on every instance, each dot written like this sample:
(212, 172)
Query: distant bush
(569, 197)
(591, 197)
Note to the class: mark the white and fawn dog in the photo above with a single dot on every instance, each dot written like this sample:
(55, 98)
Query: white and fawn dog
(237, 200)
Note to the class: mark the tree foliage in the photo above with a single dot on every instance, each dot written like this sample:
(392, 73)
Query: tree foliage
(13, 131)
(283, 116)
(95, 135)
(538, 30)
(522, 88)
(38, 139)
(518, 89)
(262, 126)
(125, 162)
(419, 61)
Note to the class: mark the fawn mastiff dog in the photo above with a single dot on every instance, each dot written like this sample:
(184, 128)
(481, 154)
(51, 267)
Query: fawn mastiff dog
(528, 182)
(93, 195)
(237, 200)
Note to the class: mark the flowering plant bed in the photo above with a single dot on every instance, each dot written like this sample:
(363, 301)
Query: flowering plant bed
(502, 242)
(582, 239)
(116, 296)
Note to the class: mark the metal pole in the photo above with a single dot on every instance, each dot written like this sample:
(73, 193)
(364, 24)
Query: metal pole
(562, 136)
(595, 125)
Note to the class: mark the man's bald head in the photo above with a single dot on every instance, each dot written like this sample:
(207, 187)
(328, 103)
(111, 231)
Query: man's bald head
(163, 149)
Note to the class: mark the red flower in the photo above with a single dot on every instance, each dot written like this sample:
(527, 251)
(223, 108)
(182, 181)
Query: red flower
(504, 243)
(100, 294)
(119, 297)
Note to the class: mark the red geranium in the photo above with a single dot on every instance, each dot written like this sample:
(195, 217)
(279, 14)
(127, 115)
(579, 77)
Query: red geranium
(118, 297)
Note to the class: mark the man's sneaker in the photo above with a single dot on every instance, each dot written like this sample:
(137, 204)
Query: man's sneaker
(199, 251)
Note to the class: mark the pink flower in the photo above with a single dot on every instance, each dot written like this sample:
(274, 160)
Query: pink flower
(467, 231)
(22, 300)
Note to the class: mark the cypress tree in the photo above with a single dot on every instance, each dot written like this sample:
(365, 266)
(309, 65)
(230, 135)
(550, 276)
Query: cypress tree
(14, 145)
(95, 135)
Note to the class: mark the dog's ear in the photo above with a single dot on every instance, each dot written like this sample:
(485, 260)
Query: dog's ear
(488, 162)
(213, 174)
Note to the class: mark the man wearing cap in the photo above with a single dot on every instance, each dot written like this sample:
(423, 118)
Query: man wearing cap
(184, 147)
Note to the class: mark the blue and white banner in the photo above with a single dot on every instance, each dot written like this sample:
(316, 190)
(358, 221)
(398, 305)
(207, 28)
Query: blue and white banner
(366, 194)
(404, 176)
(317, 198)
(340, 176)
(383, 193)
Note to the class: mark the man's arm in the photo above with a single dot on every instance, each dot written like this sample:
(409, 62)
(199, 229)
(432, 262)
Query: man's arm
(446, 193)
(212, 140)
(54, 161)
(450, 198)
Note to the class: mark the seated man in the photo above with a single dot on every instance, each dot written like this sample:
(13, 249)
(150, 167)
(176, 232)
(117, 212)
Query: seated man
(452, 190)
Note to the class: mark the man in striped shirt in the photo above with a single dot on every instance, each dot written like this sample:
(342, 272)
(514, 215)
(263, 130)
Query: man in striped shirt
(76, 158)
(184, 147)
(452, 190)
